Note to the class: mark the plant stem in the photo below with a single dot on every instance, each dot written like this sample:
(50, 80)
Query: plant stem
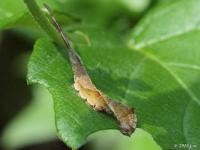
(42, 20)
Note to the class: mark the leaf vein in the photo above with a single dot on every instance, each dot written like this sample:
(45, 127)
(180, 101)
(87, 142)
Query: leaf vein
(167, 37)
(182, 65)
(179, 81)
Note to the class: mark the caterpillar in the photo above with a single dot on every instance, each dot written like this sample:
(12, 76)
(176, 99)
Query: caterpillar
(125, 115)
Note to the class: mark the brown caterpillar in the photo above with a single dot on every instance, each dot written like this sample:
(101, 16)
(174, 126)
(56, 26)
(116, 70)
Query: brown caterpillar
(88, 91)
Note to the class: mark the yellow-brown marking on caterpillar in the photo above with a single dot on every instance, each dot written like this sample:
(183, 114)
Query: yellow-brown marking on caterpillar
(88, 91)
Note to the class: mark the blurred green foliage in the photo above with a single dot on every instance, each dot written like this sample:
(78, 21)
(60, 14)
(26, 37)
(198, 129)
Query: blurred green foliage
(34, 124)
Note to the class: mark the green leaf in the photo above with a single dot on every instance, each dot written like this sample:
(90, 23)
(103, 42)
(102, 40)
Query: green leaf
(13, 14)
(74, 119)
(34, 124)
(49, 66)
(153, 76)
(169, 36)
